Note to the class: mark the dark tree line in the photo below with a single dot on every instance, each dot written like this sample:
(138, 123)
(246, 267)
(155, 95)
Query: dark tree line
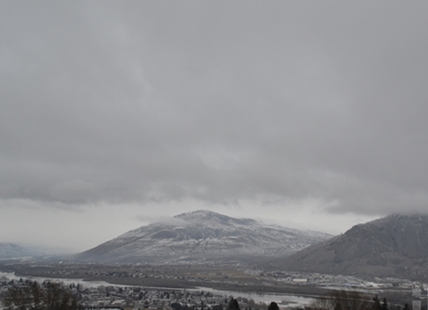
(342, 300)
(348, 300)
(234, 305)
(35, 296)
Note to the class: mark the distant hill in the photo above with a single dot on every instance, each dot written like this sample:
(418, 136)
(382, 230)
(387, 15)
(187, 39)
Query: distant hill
(203, 236)
(11, 250)
(394, 246)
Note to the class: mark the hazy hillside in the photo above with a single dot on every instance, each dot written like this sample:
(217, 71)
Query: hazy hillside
(396, 245)
(203, 235)
(11, 250)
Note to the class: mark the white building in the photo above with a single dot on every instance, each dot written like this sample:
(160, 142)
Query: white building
(416, 304)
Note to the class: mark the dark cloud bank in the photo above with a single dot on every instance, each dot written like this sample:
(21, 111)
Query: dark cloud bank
(215, 101)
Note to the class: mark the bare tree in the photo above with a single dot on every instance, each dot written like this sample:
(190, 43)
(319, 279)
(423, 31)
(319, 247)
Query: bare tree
(33, 296)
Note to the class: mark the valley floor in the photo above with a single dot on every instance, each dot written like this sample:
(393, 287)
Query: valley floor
(236, 278)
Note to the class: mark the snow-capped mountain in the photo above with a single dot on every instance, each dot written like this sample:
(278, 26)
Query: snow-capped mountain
(203, 235)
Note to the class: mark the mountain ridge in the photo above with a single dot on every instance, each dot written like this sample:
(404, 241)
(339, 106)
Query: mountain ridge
(200, 236)
(13, 250)
(395, 246)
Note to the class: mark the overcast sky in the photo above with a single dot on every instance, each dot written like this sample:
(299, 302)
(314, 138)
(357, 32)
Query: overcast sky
(311, 114)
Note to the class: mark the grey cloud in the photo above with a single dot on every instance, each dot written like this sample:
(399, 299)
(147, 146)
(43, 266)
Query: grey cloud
(137, 102)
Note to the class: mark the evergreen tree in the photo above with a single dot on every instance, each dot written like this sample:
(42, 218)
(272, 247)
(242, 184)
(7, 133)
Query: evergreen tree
(176, 306)
(384, 305)
(273, 306)
(233, 305)
(376, 303)
(338, 306)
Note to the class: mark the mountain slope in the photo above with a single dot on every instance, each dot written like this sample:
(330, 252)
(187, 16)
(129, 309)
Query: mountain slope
(11, 250)
(396, 245)
(202, 235)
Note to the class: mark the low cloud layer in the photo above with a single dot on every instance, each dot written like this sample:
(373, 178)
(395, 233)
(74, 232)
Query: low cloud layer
(129, 102)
